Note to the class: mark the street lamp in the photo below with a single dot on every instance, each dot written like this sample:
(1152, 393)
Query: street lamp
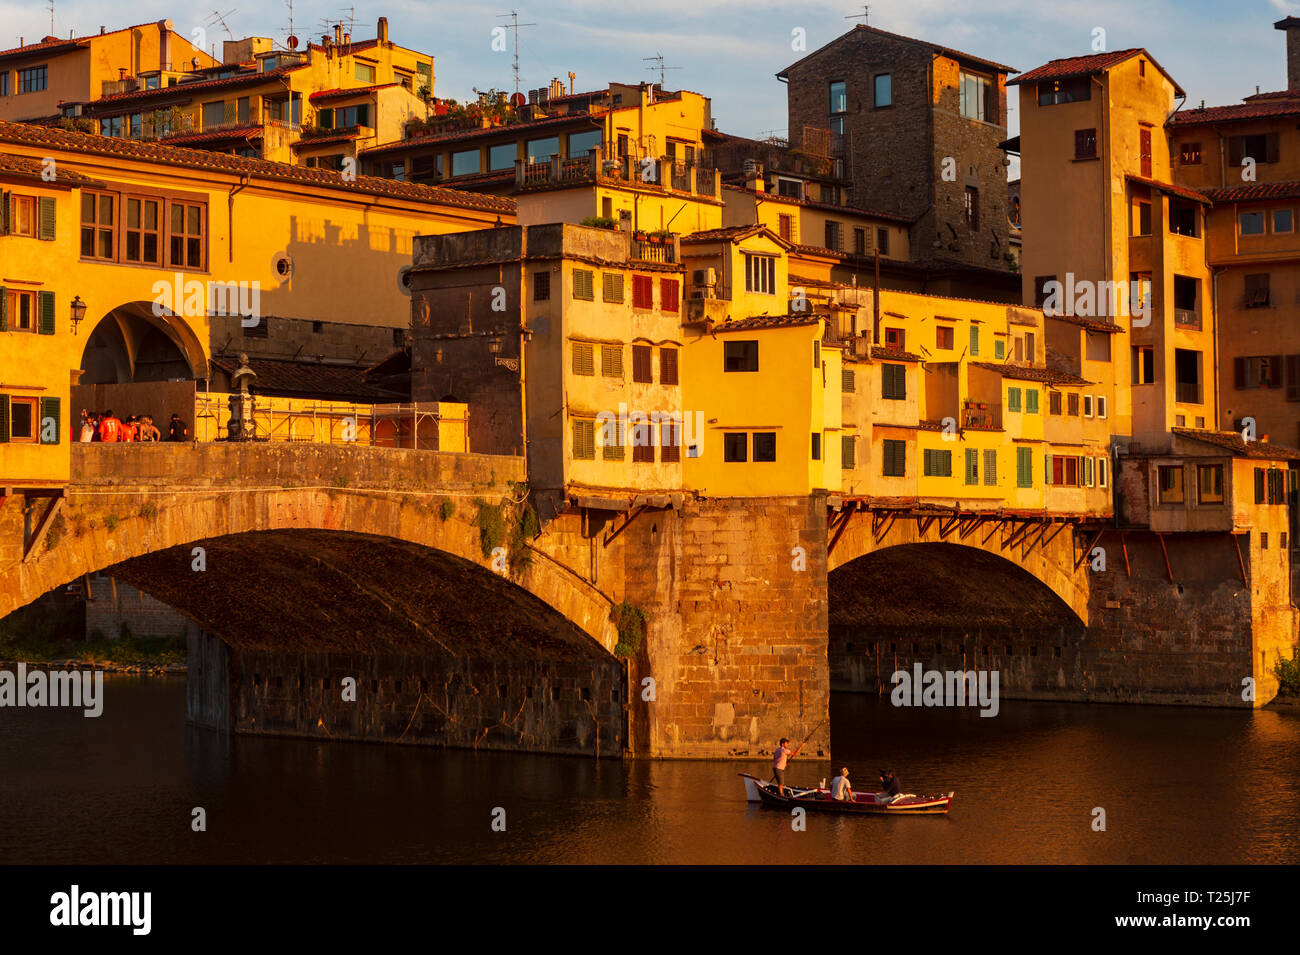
(78, 312)
(495, 345)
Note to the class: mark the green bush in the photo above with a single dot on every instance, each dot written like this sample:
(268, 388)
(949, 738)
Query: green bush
(600, 222)
(1288, 675)
(448, 509)
(630, 622)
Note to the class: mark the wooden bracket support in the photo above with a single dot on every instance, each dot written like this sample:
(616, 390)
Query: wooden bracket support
(43, 527)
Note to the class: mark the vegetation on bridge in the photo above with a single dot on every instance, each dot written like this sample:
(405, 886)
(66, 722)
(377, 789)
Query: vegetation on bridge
(50, 630)
(512, 523)
(1288, 676)
(630, 622)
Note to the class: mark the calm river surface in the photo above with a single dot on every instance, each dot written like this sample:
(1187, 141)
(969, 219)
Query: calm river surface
(1178, 786)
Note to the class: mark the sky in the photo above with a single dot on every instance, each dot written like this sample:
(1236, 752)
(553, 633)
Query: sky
(728, 50)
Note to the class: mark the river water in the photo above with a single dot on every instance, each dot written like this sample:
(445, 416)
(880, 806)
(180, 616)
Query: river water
(1177, 785)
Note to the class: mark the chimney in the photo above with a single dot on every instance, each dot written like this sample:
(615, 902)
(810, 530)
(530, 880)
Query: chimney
(572, 76)
(338, 33)
(1291, 25)
(381, 30)
(164, 44)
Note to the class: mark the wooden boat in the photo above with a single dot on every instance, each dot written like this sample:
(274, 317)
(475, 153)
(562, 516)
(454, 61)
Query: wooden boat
(819, 800)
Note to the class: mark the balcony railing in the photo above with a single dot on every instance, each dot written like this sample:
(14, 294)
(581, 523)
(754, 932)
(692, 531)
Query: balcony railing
(1187, 318)
(981, 414)
(680, 177)
(1188, 393)
(664, 251)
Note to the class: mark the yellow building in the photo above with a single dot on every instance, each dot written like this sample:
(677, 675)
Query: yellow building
(36, 79)
(162, 247)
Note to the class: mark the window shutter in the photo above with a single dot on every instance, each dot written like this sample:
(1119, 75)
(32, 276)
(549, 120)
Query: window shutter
(1236, 150)
(667, 366)
(1031, 400)
(583, 362)
(46, 311)
(642, 363)
(1047, 469)
(847, 458)
(974, 340)
(847, 380)
(45, 219)
(4, 418)
(1239, 373)
(4, 309)
(972, 466)
(669, 295)
(1271, 147)
(1259, 485)
(1275, 371)
(990, 467)
(611, 361)
(51, 408)
(1293, 377)
(4, 213)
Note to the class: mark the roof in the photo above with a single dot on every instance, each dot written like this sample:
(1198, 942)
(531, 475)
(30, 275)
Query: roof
(184, 89)
(415, 142)
(48, 44)
(1274, 107)
(1167, 187)
(345, 135)
(734, 233)
(308, 379)
(1254, 192)
(1233, 442)
(936, 47)
(247, 133)
(170, 155)
(1075, 66)
(894, 354)
(760, 322)
(23, 167)
(827, 206)
(1091, 324)
(321, 96)
(1030, 373)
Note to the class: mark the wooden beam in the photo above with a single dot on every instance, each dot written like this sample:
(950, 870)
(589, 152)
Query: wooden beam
(995, 529)
(1168, 570)
(968, 526)
(1123, 546)
(1087, 550)
(887, 527)
(1241, 563)
(1041, 531)
(844, 523)
(922, 528)
(945, 530)
(1017, 535)
(43, 527)
(630, 518)
(1059, 527)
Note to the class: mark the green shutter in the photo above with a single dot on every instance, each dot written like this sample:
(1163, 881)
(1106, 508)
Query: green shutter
(1024, 467)
(45, 219)
(45, 308)
(974, 340)
(1013, 399)
(999, 349)
(848, 458)
(991, 467)
(4, 418)
(4, 309)
(1047, 469)
(51, 408)
(1031, 400)
(972, 466)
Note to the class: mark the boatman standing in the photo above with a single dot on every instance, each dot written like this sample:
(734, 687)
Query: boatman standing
(840, 788)
(779, 759)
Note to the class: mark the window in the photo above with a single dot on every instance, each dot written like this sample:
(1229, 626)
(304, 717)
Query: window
(1283, 221)
(1087, 406)
(583, 142)
(18, 311)
(1293, 377)
(143, 231)
(1187, 376)
(611, 286)
(1089, 471)
(972, 466)
(1085, 143)
(541, 150)
(882, 240)
(1261, 147)
(1144, 149)
(893, 382)
(22, 215)
(1143, 219)
(670, 295)
(186, 236)
(976, 97)
(817, 354)
(974, 340)
(816, 446)
(1252, 223)
(541, 286)
(735, 447)
(848, 452)
(21, 425)
(642, 363)
(584, 439)
(584, 285)
(32, 80)
(611, 361)
(785, 227)
(1096, 346)
(213, 114)
(1013, 399)
(1054, 402)
(1072, 405)
(894, 338)
(760, 274)
(1031, 401)
(936, 463)
(1256, 290)
(4, 82)
(893, 458)
(667, 366)
(972, 208)
(834, 235)
(612, 441)
(848, 382)
(502, 156)
(1101, 406)
(943, 336)
(1257, 372)
(883, 88)
(740, 356)
(999, 349)
(1209, 484)
(466, 162)
(346, 117)
(1144, 364)
(1189, 154)
(1073, 90)
(1169, 483)
(365, 73)
(643, 449)
(828, 194)
(839, 97)
(670, 442)
(859, 241)
(990, 467)
(583, 360)
(765, 446)
(1024, 467)
(97, 225)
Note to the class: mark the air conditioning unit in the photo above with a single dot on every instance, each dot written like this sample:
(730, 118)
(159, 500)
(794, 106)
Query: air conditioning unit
(705, 277)
(753, 168)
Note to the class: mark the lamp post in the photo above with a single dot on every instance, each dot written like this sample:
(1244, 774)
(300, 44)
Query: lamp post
(241, 404)
(78, 308)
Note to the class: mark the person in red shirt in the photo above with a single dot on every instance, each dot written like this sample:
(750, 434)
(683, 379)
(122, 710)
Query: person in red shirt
(128, 429)
(109, 427)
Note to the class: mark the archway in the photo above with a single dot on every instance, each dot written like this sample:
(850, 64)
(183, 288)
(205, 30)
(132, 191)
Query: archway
(133, 343)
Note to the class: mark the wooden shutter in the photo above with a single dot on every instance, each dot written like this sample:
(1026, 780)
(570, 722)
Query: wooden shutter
(45, 218)
(972, 466)
(582, 285)
(583, 362)
(612, 286)
(4, 417)
(667, 366)
(642, 291)
(1031, 400)
(4, 213)
(51, 408)
(1259, 485)
(4, 309)
(1275, 371)
(1144, 141)
(1293, 377)
(848, 459)
(1239, 373)
(611, 361)
(669, 295)
(45, 309)
(974, 340)
(583, 439)
(642, 363)
(1271, 147)
(847, 380)
(1236, 150)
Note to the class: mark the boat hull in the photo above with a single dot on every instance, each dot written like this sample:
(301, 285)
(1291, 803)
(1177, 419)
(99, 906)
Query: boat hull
(863, 804)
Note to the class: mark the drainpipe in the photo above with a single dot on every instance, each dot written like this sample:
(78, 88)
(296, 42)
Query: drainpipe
(230, 216)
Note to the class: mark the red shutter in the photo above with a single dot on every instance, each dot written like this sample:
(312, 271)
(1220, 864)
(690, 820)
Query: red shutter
(667, 366)
(669, 294)
(642, 291)
(641, 363)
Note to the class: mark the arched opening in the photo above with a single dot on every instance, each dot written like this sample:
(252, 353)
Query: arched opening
(946, 607)
(132, 344)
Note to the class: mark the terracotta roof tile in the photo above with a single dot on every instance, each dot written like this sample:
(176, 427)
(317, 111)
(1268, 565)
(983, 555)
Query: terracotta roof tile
(323, 95)
(1232, 441)
(1072, 66)
(1254, 192)
(183, 89)
(826, 206)
(1181, 191)
(25, 168)
(165, 154)
(308, 379)
(1031, 373)
(894, 354)
(415, 142)
(1259, 109)
(247, 133)
(346, 135)
(760, 322)
(1091, 324)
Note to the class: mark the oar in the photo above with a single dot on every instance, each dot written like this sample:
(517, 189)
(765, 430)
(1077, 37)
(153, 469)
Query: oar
(806, 739)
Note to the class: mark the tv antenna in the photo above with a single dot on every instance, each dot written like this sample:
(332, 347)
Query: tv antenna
(659, 58)
(866, 12)
(515, 25)
(51, 17)
(219, 19)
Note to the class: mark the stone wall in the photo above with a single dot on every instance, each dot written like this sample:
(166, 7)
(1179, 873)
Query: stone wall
(112, 603)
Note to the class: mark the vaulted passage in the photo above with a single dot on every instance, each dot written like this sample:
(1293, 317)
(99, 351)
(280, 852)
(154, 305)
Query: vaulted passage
(946, 606)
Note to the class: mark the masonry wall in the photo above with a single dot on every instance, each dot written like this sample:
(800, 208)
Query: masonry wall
(534, 706)
(207, 681)
(112, 603)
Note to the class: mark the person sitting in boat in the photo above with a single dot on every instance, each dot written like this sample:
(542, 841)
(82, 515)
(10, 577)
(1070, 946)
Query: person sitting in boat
(891, 786)
(779, 759)
(840, 788)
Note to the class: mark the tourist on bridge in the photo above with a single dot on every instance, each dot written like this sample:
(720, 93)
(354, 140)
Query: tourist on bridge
(109, 427)
(176, 430)
(127, 430)
(840, 788)
(147, 430)
(779, 760)
(87, 427)
(892, 787)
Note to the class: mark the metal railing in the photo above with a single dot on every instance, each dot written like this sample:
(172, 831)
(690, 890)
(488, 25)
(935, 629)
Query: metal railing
(1187, 318)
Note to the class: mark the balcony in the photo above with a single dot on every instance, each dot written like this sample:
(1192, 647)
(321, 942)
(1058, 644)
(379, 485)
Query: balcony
(981, 415)
(685, 178)
(646, 248)
(1189, 318)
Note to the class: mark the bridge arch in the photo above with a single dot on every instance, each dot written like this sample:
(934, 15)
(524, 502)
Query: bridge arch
(137, 341)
